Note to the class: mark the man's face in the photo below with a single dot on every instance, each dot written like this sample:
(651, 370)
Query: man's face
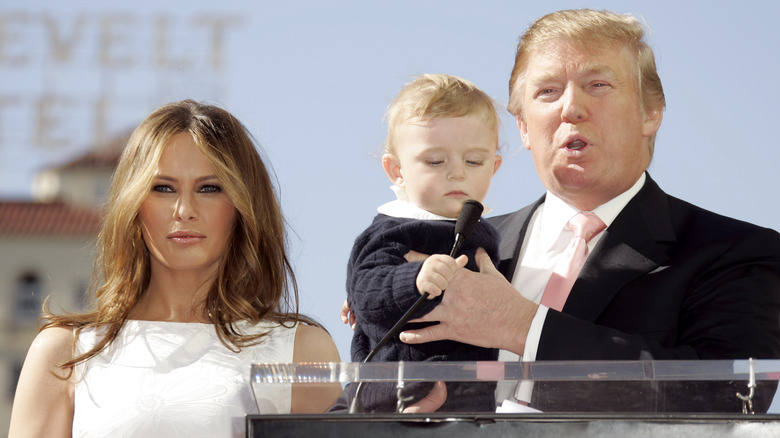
(583, 122)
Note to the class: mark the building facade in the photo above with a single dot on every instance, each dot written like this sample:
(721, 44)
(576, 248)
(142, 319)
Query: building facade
(46, 255)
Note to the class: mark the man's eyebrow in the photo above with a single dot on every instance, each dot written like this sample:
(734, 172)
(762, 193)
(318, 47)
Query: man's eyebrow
(598, 69)
(588, 69)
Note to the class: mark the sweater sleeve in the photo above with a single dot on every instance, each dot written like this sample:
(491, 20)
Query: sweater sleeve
(381, 284)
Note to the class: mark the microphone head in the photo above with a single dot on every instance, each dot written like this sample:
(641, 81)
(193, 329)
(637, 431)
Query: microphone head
(468, 217)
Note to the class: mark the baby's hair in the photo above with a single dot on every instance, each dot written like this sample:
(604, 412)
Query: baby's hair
(430, 96)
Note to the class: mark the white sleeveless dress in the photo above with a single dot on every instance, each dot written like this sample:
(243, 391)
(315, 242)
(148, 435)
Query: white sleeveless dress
(170, 379)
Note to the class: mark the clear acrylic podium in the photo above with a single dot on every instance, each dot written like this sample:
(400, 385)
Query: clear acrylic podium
(721, 398)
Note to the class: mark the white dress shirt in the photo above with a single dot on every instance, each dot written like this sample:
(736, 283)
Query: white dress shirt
(543, 244)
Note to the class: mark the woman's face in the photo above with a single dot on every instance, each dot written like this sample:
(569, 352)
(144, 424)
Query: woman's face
(187, 220)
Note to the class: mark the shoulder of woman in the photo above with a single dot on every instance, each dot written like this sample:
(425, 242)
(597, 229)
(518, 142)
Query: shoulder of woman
(54, 344)
(43, 402)
(314, 344)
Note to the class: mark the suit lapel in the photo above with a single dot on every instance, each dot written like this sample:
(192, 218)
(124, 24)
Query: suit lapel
(512, 228)
(633, 245)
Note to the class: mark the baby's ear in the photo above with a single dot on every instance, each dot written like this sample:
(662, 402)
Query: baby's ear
(393, 169)
(497, 163)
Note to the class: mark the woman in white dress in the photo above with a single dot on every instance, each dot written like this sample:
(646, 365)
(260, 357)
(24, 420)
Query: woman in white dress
(191, 285)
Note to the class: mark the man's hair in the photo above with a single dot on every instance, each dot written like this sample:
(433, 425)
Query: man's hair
(432, 96)
(589, 29)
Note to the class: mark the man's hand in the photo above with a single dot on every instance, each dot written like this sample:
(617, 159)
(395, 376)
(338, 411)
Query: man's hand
(433, 401)
(481, 309)
(414, 256)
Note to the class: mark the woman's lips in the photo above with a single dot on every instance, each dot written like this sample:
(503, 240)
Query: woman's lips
(186, 236)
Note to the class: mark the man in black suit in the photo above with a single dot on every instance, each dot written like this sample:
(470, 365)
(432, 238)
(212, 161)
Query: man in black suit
(666, 280)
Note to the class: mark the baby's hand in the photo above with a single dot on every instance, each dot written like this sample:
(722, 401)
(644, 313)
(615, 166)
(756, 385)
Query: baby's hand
(347, 316)
(436, 273)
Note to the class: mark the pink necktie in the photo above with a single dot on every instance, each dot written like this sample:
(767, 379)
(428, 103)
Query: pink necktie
(585, 225)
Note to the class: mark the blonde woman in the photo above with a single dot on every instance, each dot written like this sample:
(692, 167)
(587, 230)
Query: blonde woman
(191, 285)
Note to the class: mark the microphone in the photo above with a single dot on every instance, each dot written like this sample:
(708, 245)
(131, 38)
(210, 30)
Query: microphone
(467, 220)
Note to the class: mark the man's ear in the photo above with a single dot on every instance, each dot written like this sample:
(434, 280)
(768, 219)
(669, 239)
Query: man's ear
(523, 127)
(652, 121)
(392, 168)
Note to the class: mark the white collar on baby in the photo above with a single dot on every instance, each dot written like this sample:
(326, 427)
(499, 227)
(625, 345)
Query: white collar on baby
(401, 207)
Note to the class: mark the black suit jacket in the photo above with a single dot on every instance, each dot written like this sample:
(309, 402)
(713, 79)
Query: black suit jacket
(668, 280)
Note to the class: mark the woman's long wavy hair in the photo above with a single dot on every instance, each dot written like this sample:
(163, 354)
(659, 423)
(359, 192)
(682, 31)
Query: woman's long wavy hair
(254, 281)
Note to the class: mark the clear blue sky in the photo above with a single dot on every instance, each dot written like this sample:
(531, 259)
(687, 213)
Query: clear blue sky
(311, 80)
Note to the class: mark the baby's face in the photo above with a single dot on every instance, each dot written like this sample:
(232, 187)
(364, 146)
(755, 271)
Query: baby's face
(445, 161)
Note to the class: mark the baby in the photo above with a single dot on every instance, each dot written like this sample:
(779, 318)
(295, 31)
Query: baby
(441, 149)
